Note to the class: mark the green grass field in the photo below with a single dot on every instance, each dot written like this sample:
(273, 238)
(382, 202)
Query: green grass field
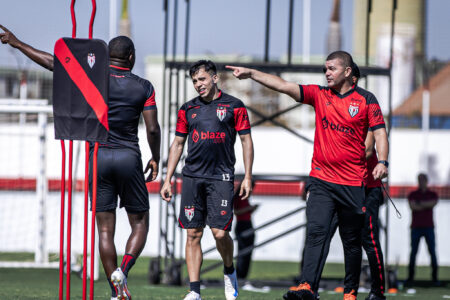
(27, 284)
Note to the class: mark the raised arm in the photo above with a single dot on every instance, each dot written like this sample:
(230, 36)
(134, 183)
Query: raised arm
(248, 153)
(42, 58)
(268, 80)
(176, 149)
(382, 143)
(154, 142)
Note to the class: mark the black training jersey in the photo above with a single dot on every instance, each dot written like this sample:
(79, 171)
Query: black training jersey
(212, 128)
(129, 95)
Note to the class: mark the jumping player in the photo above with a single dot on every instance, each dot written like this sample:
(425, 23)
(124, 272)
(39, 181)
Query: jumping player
(344, 113)
(209, 122)
(120, 170)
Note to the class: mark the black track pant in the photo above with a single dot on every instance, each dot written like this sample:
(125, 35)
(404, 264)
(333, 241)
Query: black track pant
(243, 261)
(370, 240)
(323, 202)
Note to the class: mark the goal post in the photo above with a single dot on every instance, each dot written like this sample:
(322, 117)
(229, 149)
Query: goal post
(29, 212)
(17, 133)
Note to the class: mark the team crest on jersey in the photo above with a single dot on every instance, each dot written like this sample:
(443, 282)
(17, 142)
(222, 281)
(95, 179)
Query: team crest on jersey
(91, 59)
(221, 113)
(189, 212)
(353, 110)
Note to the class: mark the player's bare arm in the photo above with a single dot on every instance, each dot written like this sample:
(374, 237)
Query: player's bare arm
(176, 149)
(42, 58)
(248, 154)
(381, 141)
(370, 144)
(154, 142)
(268, 80)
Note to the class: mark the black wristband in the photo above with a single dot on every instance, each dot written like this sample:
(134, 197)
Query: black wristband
(384, 162)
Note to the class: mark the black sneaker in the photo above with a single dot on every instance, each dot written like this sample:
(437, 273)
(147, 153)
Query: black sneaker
(373, 296)
(299, 295)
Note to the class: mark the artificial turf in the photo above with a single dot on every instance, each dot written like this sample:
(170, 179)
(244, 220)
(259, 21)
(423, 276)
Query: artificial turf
(27, 284)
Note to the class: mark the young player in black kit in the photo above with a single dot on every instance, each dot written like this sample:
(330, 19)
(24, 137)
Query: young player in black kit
(209, 122)
(120, 170)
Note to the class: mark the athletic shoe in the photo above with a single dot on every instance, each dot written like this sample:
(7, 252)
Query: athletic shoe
(372, 296)
(301, 292)
(350, 296)
(231, 286)
(119, 280)
(193, 296)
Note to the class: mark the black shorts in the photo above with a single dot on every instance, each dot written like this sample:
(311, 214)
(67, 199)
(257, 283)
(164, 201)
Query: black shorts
(119, 173)
(206, 202)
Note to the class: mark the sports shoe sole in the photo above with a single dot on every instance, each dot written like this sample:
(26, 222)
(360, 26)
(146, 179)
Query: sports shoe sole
(298, 295)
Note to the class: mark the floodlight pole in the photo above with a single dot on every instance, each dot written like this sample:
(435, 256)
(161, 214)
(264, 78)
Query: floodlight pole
(391, 53)
(366, 60)
(291, 21)
(267, 35)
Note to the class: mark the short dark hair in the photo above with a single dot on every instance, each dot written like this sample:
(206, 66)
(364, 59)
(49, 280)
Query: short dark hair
(208, 65)
(346, 58)
(355, 71)
(422, 175)
(121, 47)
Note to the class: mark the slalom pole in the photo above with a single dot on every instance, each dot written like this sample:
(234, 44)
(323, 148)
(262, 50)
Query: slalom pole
(94, 182)
(94, 205)
(69, 222)
(61, 225)
(85, 228)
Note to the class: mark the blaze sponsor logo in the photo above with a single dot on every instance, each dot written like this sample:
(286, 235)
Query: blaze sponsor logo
(91, 59)
(221, 113)
(189, 212)
(216, 137)
(195, 136)
(338, 127)
(223, 212)
(193, 116)
(363, 209)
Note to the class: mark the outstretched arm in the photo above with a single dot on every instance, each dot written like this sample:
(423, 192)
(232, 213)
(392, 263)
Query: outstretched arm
(271, 81)
(154, 141)
(176, 149)
(247, 150)
(42, 58)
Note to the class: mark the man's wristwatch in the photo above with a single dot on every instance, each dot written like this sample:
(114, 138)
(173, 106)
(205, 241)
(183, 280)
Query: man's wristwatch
(384, 162)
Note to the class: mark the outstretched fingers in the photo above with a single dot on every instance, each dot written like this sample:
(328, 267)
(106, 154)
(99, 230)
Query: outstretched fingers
(236, 70)
(4, 28)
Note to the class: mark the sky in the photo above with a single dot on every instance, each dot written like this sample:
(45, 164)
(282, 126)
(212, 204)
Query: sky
(217, 26)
